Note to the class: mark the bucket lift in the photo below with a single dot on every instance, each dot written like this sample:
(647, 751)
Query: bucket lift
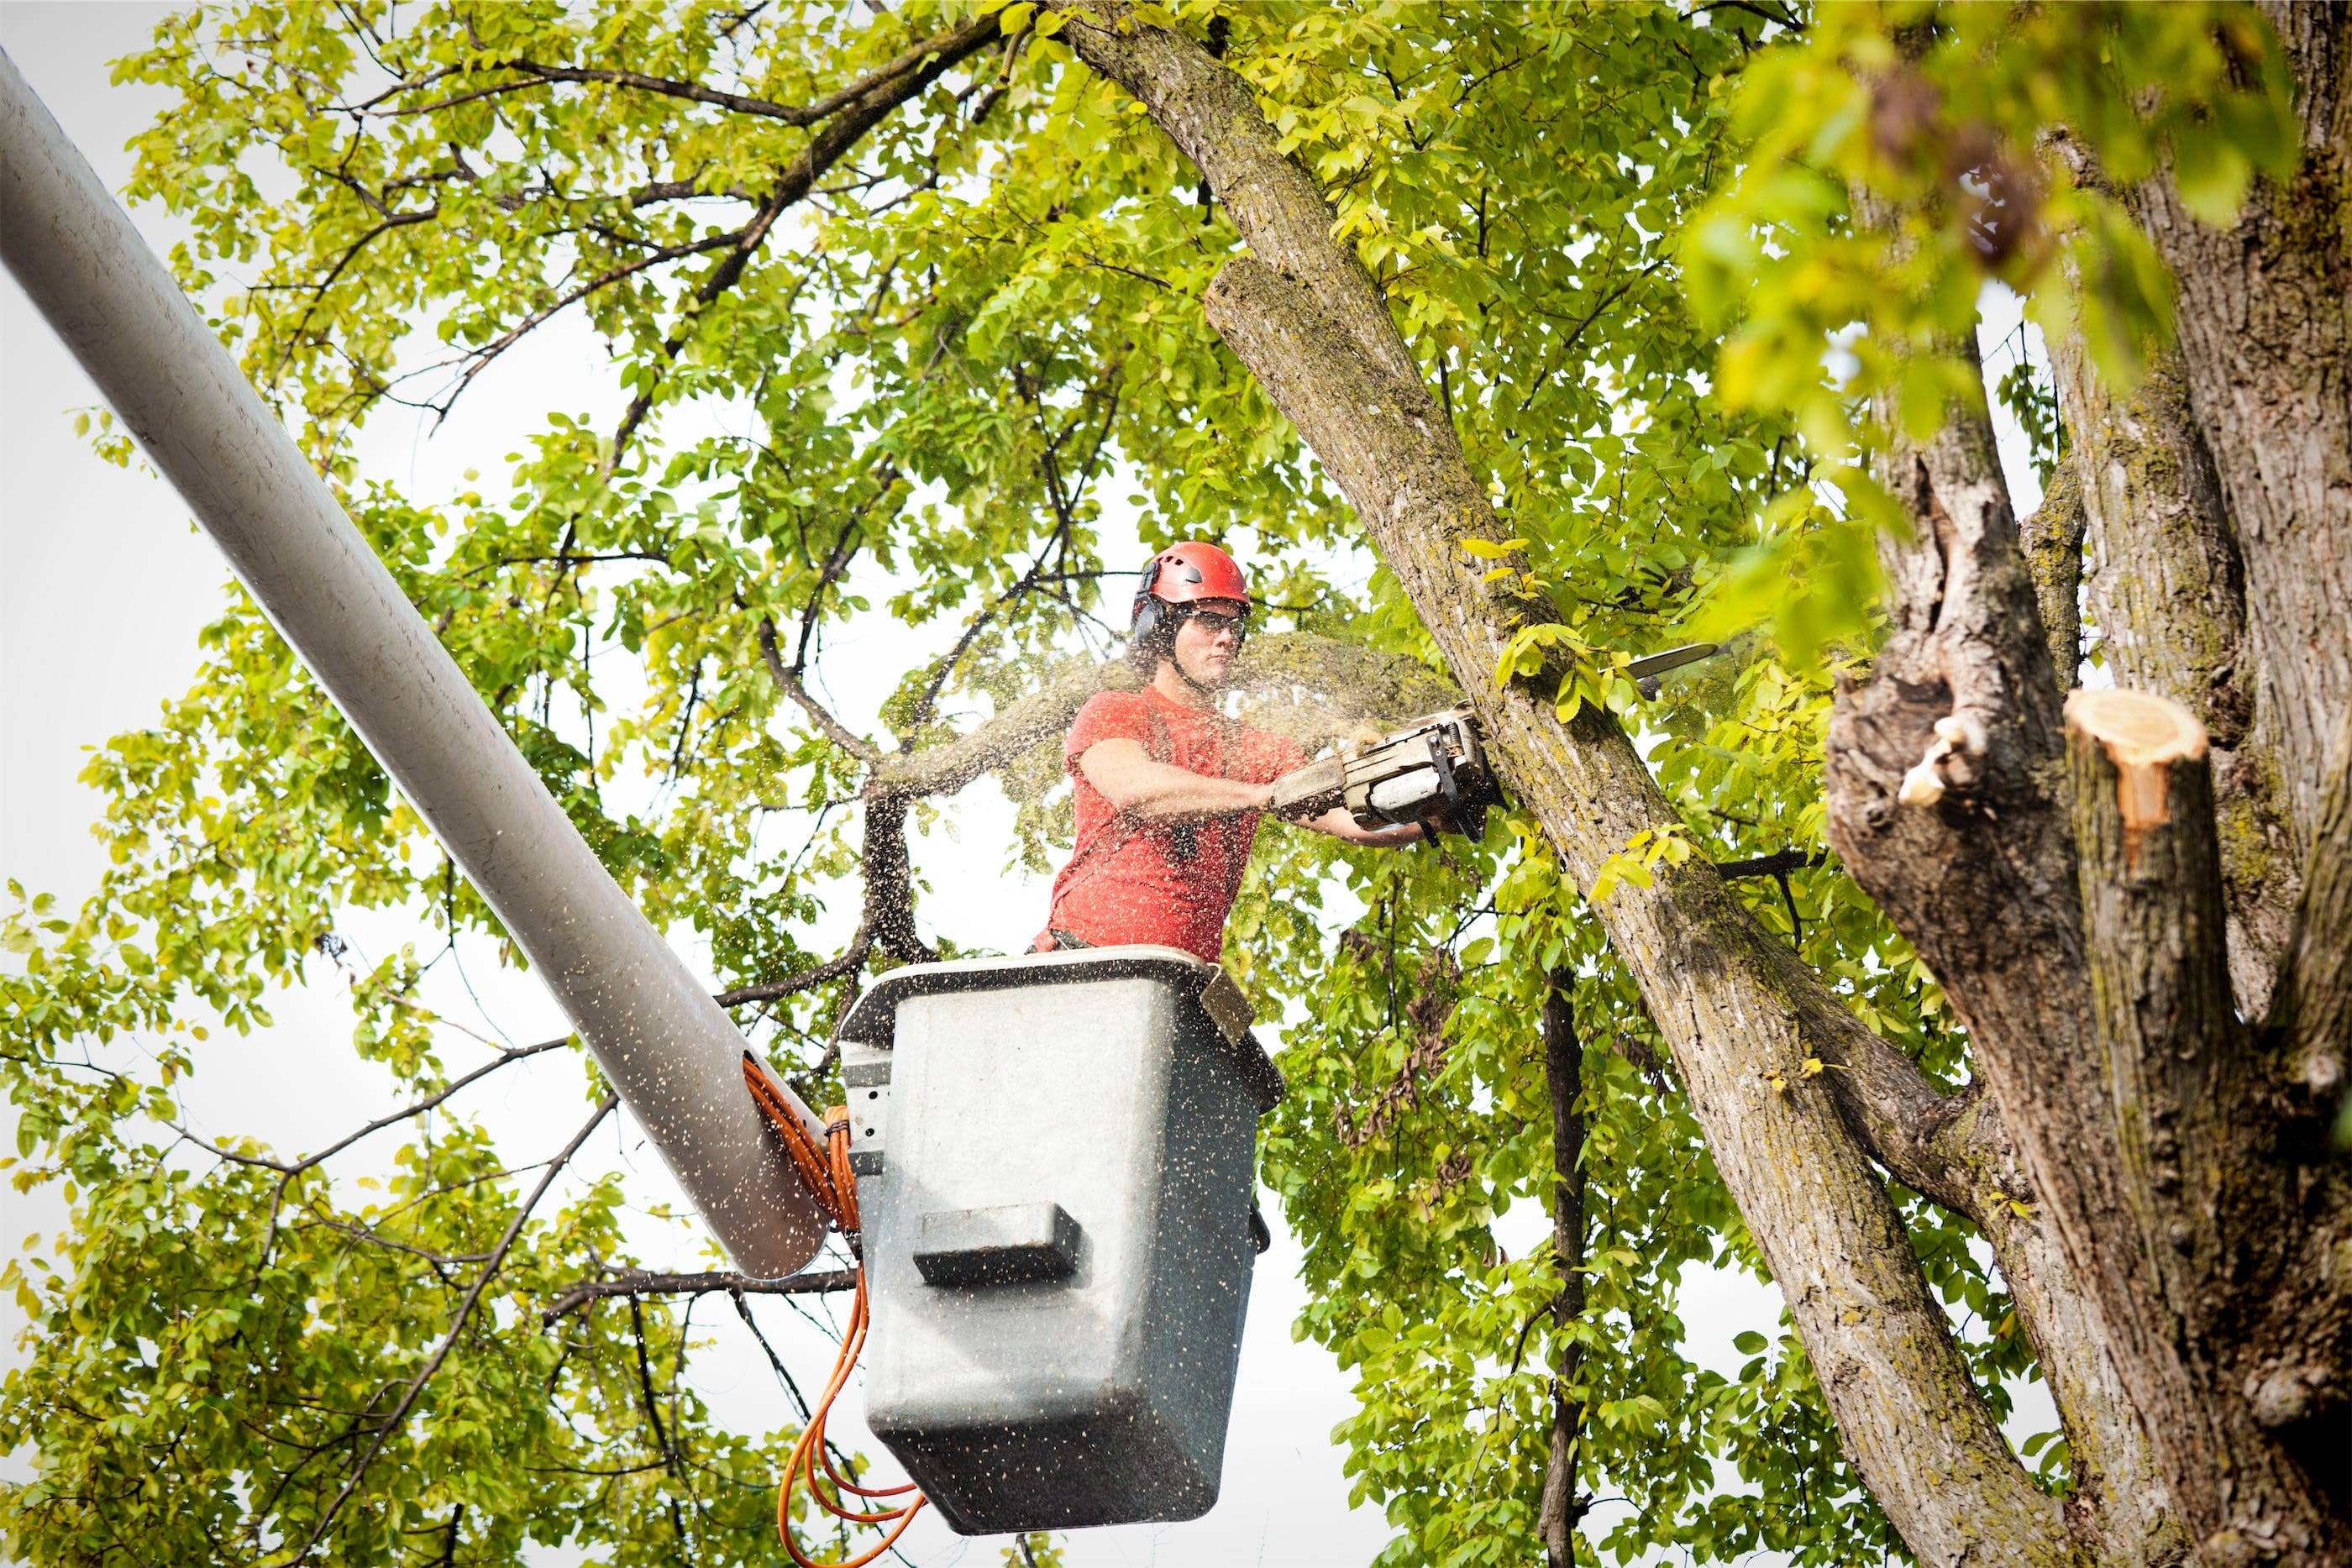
(1053, 1158)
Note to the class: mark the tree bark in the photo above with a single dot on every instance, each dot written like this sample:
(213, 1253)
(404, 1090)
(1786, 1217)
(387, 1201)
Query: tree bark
(1982, 871)
(2265, 351)
(2167, 592)
(2204, 1197)
(1743, 1021)
(2053, 539)
(2300, 1383)
(2216, 500)
(1979, 871)
(1557, 1512)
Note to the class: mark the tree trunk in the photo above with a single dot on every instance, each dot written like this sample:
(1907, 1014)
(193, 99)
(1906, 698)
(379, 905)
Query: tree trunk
(2167, 592)
(1985, 873)
(2179, 1070)
(2265, 351)
(1557, 1514)
(1948, 801)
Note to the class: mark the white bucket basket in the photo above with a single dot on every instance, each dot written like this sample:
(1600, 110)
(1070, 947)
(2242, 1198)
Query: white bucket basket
(1056, 1161)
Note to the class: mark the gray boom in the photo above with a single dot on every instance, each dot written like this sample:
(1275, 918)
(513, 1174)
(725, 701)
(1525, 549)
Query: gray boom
(673, 1054)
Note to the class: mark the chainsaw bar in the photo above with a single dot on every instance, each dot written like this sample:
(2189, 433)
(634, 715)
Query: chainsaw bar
(1672, 659)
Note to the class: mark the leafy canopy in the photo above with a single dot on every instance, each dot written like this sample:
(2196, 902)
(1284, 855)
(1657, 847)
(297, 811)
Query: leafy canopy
(935, 374)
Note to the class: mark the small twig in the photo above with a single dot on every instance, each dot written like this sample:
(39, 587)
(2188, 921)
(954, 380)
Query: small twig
(399, 1417)
(830, 970)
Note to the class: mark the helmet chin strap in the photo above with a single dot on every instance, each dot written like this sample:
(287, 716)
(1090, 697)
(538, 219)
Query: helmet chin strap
(1185, 675)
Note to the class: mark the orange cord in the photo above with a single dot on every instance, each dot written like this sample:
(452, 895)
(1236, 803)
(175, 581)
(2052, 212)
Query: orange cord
(835, 1186)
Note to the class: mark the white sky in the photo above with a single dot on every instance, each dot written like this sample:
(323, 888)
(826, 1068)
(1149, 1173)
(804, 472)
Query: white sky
(103, 586)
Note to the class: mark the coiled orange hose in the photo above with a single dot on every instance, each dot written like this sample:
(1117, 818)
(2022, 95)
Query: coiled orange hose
(835, 1185)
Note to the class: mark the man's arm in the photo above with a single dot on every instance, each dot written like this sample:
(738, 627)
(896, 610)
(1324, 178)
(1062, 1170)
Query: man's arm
(1132, 782)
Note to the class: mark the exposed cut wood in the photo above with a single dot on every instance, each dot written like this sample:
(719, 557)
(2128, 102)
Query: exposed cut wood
(2142, 734)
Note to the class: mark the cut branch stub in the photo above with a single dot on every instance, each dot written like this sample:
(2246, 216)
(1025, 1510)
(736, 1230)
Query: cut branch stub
(2142, 737)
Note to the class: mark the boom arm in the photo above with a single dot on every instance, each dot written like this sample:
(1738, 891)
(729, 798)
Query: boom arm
(673, 1055)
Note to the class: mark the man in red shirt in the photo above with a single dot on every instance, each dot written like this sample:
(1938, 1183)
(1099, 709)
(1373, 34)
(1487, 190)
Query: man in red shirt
(1169, 790)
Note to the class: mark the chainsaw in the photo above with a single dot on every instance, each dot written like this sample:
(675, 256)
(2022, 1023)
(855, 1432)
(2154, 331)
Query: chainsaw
(1432, 768)
(1431, 765)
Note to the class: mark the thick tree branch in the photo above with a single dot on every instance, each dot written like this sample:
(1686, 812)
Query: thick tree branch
(1942, 800)
(888, 918)
(2265, 358)
(1559, 1507)
(2313, 1020)
(2305, 1339)
(840, 734)
(1304, 315)
(1778, 864)
(2051, 539)
(2169, 594)
(2208, 1204)
(620, 1281)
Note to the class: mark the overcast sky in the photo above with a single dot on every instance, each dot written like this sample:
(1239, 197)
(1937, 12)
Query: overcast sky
(104, 587)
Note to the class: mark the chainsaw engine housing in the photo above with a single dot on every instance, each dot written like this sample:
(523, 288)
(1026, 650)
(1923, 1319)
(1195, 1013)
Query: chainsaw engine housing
(1432, 765)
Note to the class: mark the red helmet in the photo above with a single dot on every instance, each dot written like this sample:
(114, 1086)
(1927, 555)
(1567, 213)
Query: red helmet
(1174, 580)
(1185, 573)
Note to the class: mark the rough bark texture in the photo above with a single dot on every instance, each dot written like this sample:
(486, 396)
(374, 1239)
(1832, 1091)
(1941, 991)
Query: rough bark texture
(1557, 1513)
(2179, 1073)
(2301, 1383)
(1742, 1020)
(2177, 1150)
(1982, 880)
(2265, 347)
(2053, 537)
(1984, 873)
(2313, 1020)
(2167, 592)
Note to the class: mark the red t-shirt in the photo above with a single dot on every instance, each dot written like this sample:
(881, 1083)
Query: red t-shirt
(1169, 883)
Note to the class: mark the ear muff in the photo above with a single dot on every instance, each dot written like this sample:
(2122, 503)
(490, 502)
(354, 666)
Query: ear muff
(1146, 602)
(1149, 629)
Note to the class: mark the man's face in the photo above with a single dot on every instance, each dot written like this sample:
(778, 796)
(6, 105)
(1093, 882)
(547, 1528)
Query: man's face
(1208, 639)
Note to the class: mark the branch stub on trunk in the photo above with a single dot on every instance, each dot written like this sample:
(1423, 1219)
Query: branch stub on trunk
(2143, 735)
